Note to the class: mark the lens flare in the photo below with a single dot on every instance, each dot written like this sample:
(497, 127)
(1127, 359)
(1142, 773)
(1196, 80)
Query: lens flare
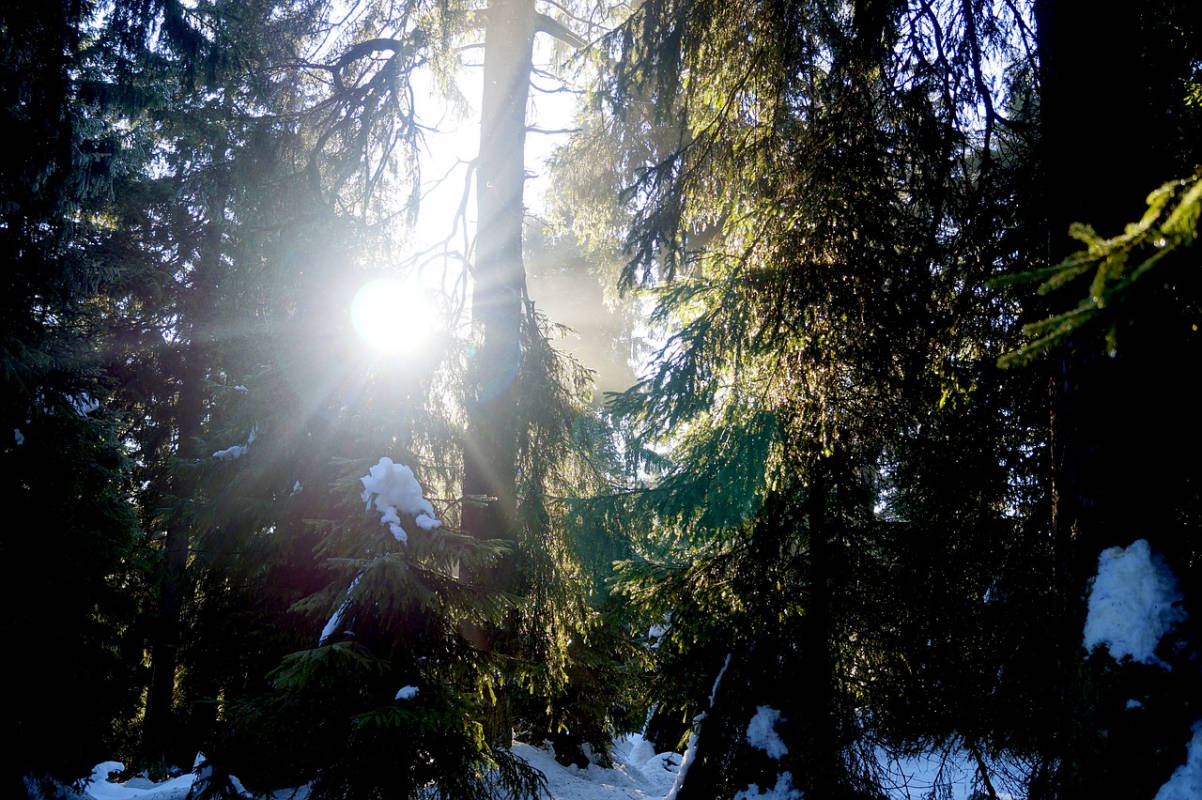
(392, 317)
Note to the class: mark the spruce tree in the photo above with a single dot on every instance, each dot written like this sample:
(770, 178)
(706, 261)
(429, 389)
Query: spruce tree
(816, 201)
(70, 531)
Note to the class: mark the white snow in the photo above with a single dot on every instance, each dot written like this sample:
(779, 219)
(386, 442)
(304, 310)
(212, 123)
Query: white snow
(948, 772)
(238, 450)
(296, 488)
(639, 774)
(634, 775)
(390, 518)
(1186, 781)
(230, 453)
(762, 735)
(718, 680)
(179, 788)
(335, 621)
(1132, 603)
(691, 750)
(426, 522)
(204, 775)
(83, 403)
(783, 790)
(397, 492)
(18, 437)
(99, 787)
(406, 693)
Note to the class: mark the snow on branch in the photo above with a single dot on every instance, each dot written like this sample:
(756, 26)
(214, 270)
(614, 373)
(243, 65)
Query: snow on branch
(238, 450)
(397, 492)
(762, 735)
(1132, 603)
(334, 624)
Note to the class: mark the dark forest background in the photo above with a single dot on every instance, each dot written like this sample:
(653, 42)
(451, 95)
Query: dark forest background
(920, 310)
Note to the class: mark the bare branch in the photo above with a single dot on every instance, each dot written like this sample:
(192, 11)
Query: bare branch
(558, 30)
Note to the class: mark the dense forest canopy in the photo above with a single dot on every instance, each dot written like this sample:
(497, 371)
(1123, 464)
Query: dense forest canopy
(875, 436)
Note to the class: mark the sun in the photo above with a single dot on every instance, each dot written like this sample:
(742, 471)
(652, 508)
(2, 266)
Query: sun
(392, 317)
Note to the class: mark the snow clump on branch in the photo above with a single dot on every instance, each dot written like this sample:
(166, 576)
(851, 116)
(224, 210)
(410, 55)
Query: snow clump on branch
(238, 450)
(397, 492)
(762, 735)
(783, 790)
(1132, 603)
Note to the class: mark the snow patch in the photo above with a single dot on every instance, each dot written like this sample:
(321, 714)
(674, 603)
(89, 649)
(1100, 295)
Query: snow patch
(949, 772)
(205, 781)
(397, 492)
(83, 403)
(238, 450)
(335, 621)
(406, 693)
(762, 735)
(98, 787)
(718, 680)
(18, 437)
(783, 790)
(691, 750)
(633, 776)
(231, 453)
(1132, 603)
(1186, 781)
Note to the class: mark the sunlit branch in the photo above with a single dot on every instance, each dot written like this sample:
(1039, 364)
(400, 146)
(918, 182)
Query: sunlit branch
(563, 10)
(558, 30)
(551, 131)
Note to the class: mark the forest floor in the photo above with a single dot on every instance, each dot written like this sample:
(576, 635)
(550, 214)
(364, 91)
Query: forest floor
(636, 773)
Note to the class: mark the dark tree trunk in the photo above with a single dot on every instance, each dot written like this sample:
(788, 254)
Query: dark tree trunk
(1105, 147)
(490, 452)
(818, 699)
(790, 670)
(491, 449)
(161, 739)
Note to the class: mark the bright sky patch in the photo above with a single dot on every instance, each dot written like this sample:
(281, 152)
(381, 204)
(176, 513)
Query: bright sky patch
(392, 316)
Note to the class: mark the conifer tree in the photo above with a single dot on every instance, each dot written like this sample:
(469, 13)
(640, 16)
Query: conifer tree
(1117, 475)
(307, 147)
(70, 532)
(815, 204)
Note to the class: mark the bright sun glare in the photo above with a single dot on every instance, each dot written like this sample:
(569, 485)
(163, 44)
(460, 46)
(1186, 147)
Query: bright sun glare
(393, 317)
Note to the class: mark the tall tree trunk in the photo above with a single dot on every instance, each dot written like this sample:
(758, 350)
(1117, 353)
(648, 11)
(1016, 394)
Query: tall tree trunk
(1098, 168)
(821, 730)
(490, 453)
(491, 449)
(161, 730)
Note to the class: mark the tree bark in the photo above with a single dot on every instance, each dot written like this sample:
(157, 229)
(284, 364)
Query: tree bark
(160, 732)
(490, 452)
(1098, 168)
(499, 279)
(821, 733)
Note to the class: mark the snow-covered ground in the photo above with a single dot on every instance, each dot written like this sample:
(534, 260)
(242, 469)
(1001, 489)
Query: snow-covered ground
(1133, 603)
(638, 773)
